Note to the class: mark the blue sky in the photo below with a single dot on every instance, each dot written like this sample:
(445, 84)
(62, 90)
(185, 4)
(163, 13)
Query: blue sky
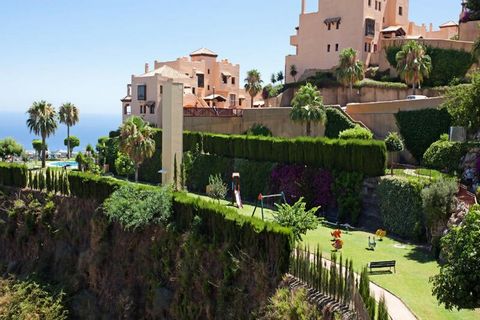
(84, 51)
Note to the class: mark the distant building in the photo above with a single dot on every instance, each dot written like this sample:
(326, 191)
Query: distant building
(208, 83)
(357, 24)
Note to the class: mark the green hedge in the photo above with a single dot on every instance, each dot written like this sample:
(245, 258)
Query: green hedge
(367, 157)
(13, 175)
(401, 206)
(370, 83)
(446, 155)
(219, 224)
(337, 122)
(420, 128)
(447, 64)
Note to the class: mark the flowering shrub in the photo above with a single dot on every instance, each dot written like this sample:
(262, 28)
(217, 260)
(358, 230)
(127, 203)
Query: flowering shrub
(288, 178)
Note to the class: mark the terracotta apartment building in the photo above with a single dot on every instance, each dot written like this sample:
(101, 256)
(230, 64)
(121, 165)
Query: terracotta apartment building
(358, 24)
(208, 83)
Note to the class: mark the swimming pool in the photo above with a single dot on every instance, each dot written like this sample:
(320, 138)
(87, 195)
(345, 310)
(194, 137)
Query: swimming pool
(61, 164)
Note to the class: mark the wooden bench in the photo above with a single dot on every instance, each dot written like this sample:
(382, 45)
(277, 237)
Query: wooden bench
(382, 264)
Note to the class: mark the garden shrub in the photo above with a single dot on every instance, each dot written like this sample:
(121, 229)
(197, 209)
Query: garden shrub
(420, 128)
(356, 133)
(203, 166)
(444, 155)
(370, 83)
(216, 188)
(337, 122)
(286, 304)
(347, 189)
(135, 208)
(259, 129)
(401, 206)
(149, 168)
(296, 217)
(13, 175)
(446, 64)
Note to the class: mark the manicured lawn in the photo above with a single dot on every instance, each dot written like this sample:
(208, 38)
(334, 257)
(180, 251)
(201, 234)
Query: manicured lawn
(414, 267)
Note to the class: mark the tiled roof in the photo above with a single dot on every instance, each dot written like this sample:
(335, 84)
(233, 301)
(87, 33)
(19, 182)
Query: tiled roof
(449, 24)
(204, 52)
(167, 72)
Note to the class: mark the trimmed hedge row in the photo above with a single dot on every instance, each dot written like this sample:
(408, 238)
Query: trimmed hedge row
(14, 175)
(218, 224)
(420, 128)
(336, 123)
(367, 157)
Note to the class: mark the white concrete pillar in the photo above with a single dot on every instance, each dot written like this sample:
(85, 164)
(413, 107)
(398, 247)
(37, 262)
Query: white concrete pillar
(172, 137)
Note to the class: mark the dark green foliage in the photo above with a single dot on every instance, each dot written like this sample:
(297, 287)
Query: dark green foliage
(205, 165)
(347, 189)
(13, 175)
(91, 186)
(364, 290)
(457, 285)
(259, 130)
(254, 177)
(191, 140)
(217, 189)
(421, 128)
(446, 64)
(401, 207)
(296, 217)
(367, 157)
(135, 208)
(149, 168)
(382, 313)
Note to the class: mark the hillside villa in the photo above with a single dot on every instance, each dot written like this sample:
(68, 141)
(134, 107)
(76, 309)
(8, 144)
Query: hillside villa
(209, 85)
(365, 25)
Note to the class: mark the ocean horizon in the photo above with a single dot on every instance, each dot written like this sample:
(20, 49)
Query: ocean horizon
(88, 130)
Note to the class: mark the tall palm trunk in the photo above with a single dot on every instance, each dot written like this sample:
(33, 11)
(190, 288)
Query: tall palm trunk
(251, 106)
(69, 152)
(414, 88)
(44, 151)
(137, 167)
(309, 129)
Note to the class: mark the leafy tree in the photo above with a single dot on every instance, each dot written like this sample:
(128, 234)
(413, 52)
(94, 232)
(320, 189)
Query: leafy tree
(124, 166)
(280, 76)
(307, 107)
(293, 72)
(457, 284)
(438, 204)
(42, 121)
(10, 148)
(349, 69)
(136, 141)
(69, 115)
(101, 149)
(413, 64)
(90, 149)
(474, 7)
(71, 142)
(462, 104)
(253, 84)
(394, 143)
(37, 146)
(217, 189)
(297, 218)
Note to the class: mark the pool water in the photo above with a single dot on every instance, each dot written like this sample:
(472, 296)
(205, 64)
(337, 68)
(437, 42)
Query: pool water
(61, 164)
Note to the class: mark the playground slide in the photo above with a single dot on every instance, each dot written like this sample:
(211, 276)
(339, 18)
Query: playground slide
(238, 199)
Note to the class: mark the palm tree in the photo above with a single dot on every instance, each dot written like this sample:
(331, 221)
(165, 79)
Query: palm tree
(69, 115)
(293, 72)
(280, 76)
(273, 78)
(349, 69)
(253, 84)
(42, 121)
(413, 64)
(307, 107)
(136, 141)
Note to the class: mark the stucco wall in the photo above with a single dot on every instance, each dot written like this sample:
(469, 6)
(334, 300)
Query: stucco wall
(469, 31)
(380, 116)
(276, 119)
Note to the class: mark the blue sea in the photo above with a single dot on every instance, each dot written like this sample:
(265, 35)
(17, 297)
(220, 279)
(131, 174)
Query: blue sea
(88, 130)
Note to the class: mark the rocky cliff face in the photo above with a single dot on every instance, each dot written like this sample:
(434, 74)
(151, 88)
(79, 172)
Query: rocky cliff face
(108, 273)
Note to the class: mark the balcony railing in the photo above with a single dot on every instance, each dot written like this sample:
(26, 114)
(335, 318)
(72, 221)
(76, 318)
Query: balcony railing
(212, 112)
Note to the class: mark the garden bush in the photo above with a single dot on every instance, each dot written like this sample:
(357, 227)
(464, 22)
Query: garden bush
(401, 207)
(421, 128)
(135, 208)
(446, 64)
(337, 122)
(205, 165)
(347, 187)
(356, 133)
(258, 129)
(13, 175)
(444, 155)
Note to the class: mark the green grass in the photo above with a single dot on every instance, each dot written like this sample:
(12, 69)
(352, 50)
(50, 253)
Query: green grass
(415, 266)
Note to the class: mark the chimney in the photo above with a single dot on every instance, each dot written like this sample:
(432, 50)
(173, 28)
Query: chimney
(303, 6)
(129, 90)
(431, 27)
(147, 68)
